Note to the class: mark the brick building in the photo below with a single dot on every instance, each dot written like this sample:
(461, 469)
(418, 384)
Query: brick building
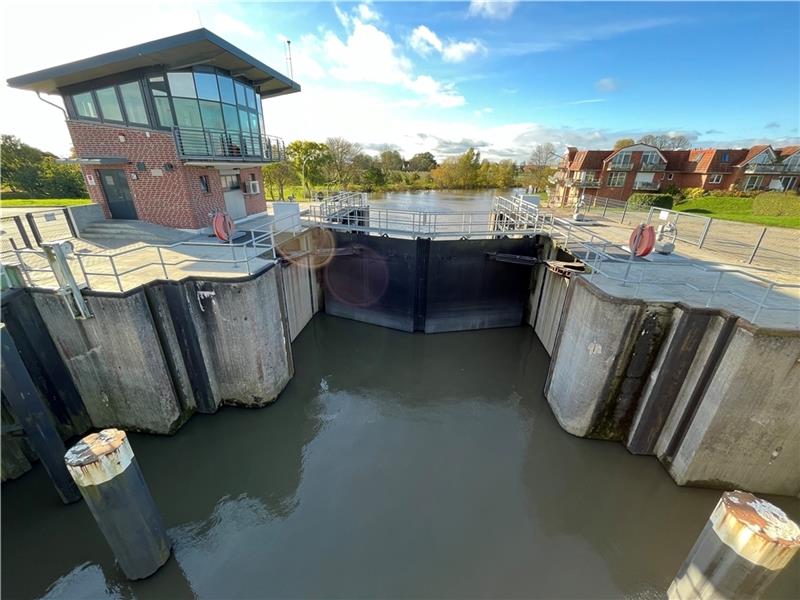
(641, 168)
(170, 130)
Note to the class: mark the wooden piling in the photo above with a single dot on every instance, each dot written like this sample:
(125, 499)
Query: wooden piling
(30, 411)
(109, 478)
(746, 542)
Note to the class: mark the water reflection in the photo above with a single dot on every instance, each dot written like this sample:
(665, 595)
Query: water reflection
(393, 465)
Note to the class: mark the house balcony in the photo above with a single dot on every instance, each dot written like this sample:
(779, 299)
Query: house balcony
(586, 183)
(218, 146)
(651, 167)
(619, 166)
(764, 169)
(646, 185)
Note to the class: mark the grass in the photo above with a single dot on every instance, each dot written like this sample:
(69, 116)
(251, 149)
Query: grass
(730, 208)
(43, 202)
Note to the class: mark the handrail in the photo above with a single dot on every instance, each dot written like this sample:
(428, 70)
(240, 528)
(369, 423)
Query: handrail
(227, 146)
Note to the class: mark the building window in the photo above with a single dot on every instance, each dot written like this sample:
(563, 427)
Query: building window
(650, 158)
(187, 113)
(204, 183)
(212, 115)
(624, 158)
(84, 105)
(133, 102)
(206, 84)
(754, 182)
(109, 105)
(669, 176)
(182, 84)
(715, 178)
(725, 157)
(230, 182)
(616, 179)
(158, 87)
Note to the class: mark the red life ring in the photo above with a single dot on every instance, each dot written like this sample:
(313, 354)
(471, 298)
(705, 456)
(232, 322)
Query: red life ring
(223, 226)
(642, 240)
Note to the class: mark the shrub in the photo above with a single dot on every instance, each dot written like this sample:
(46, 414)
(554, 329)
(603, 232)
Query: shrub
(648, 200)
(734, 193)
(692, 193)
(777, 204)
(673, 190)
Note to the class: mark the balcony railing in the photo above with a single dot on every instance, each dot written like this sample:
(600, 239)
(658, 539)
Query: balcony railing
(586, 183)
(230, 147)
(649, 167)
(612, 166)
(762, 168)
(646, 185)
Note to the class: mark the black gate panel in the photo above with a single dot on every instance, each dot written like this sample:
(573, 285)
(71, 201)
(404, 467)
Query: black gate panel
(467, 289)
(372, 279)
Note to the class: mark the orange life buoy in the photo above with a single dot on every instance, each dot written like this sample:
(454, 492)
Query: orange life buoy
(223, 226)
(642, 240)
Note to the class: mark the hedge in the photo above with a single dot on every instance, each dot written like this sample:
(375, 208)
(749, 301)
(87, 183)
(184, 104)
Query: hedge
(648, 200)
(777, 204)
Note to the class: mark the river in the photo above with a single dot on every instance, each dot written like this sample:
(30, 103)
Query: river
(393, 465)
(438, 200)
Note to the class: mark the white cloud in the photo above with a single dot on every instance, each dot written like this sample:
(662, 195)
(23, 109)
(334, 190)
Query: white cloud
(589, 101)
(606, 84)
(458, 51)
(492, 9)
(483, 111)
(366, 13)
(342, 15)
(425, 41)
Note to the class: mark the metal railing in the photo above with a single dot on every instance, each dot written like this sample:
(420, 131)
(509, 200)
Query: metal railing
(619, 166)
(230, 146)
(652, 166)
(128, 267)
(646, 185)
(764, 168)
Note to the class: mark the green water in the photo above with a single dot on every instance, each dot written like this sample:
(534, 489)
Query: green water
(393, 465)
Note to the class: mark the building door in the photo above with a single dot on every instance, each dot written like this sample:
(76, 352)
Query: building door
(234, 197)
(118, 194)
(788, 183)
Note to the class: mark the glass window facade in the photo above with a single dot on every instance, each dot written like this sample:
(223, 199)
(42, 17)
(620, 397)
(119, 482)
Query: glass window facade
(109, 104)
(133, 101)
(204, 100)
(84, 105)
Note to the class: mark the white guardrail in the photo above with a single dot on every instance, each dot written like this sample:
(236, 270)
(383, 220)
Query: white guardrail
(349, 211)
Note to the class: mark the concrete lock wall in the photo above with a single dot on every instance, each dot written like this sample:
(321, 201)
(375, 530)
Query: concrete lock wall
(745, 430)
(713, 397)
(117, 361)
(240, 327)
(604, 348)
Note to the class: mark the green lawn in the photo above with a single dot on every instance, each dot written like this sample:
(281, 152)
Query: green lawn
(733, 209)
(44, 202)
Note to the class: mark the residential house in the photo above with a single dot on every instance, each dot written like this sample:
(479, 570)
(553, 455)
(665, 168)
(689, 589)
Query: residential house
(616, 174)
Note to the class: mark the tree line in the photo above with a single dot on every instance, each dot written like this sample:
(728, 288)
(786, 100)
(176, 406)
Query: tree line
(31, 173)
(341, 164)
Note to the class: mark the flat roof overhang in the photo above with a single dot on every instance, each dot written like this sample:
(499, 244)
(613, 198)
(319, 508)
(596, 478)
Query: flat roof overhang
(198, 47)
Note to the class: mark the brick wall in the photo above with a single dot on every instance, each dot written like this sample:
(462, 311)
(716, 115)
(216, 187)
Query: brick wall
(253, 203)
(171, 198)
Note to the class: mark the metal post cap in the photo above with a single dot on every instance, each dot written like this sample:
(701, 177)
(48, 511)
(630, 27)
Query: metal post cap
(756, 529)
(99, 457)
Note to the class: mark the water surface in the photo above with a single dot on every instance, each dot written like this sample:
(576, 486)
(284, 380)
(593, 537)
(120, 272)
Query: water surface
(393, 465)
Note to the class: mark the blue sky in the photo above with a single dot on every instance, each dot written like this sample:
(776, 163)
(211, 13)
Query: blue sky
(500, 76)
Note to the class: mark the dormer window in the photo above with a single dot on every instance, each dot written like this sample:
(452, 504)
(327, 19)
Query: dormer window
(621, 159)
(725, 157)
(650, 158)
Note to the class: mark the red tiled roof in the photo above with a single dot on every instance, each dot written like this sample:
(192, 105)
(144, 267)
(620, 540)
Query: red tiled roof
(786, 152)
(754, 151)
(589, 160)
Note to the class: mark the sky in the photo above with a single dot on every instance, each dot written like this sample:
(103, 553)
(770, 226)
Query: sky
(444, 76)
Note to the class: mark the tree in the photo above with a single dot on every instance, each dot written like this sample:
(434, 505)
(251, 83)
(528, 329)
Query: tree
(459, 172)
(391, 160)
(278, 175)
(424, 161)
(543, 155)
(623, 142)
(342, 153)
(37, 174)
(309, 160)
(664, 141)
